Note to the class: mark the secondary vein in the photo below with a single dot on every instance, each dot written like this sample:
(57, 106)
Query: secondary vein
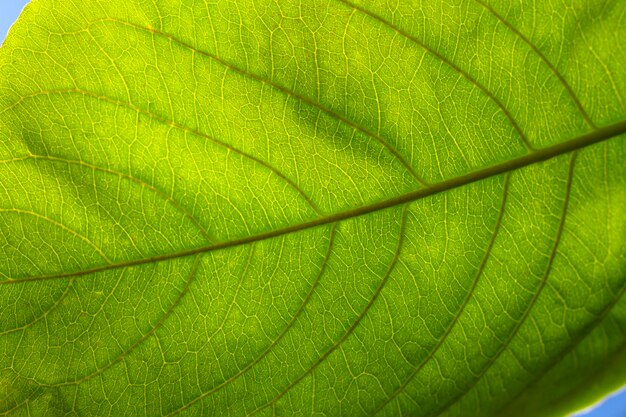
(585, 140)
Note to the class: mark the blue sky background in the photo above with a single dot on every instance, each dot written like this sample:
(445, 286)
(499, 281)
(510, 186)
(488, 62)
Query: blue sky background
(9, 11)
(614, 406)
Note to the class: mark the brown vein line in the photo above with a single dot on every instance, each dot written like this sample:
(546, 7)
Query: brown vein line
(455, 320)
(538, 292)
(242, 278)
(353, 326)
(175, 125)
(586, 331)
(36, 392)
(60, 226)
(153, 329)
(70, 284)
(577, 341)
(448, 62)
(143, 184)
(541, 56)
(598, 135)
(278, 87)
(120, 174)
(132, 347)
(244, 370)
(42, 316)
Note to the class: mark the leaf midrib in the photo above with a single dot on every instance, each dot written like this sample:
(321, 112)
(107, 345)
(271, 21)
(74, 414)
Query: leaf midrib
(583, 141)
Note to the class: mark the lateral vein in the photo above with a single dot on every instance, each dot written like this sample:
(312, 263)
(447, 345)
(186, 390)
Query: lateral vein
(583, 141)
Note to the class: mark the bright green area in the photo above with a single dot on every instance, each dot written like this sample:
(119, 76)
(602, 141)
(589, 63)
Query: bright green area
(290, 208)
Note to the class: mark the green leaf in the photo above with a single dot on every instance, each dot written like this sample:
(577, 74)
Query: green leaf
(312, 207)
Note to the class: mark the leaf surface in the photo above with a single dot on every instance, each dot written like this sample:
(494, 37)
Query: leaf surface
(312, 208)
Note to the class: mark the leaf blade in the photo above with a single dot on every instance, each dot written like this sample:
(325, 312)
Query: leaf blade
(275, 149)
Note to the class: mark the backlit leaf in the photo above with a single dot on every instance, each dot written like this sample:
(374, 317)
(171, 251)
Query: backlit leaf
(314, 207)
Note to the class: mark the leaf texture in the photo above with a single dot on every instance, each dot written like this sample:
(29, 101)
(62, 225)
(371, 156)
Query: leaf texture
(312, 207)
